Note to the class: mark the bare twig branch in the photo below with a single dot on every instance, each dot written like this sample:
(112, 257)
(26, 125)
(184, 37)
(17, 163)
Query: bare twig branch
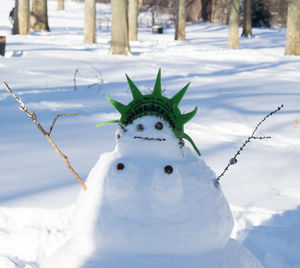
(261, 138)
(97, 77)
(90, 86)
(56, 117)
(234, 159)
(32, 115)
(18, 99)
(74, 79)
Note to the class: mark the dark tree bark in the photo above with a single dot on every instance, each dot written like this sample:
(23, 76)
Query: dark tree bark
(293, 29)
(21, 18)
(247, 23)
(193, 10)
(233, 38)
(39, 16)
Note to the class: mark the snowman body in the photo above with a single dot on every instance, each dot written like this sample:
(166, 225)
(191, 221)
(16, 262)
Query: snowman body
(152, 197)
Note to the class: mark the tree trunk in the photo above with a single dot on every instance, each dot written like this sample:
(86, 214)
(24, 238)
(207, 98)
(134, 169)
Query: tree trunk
(180, 20)
(60, 4)
(132, 19)
(193, 10)
(247, 23)
(153, 13)
(293, 29)
(140, 4)
(119, 27)
(233, 39)
(39, 16)
(90, 22)
(15, 29)
(21, 21)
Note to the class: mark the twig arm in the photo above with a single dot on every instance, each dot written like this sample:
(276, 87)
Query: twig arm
(234, 159)
(33, 117)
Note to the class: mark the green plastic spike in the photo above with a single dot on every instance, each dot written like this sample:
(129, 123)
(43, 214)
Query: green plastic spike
(157, 86)
(108, 122)
(136, 94)
(188, 116)
(118, 105)
(178, 97)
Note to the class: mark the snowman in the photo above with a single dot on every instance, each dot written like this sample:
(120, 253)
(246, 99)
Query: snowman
(152, 202)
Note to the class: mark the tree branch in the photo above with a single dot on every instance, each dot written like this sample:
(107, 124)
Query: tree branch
(33, 117)
(234, 159)
(56, 117)
(74, 79)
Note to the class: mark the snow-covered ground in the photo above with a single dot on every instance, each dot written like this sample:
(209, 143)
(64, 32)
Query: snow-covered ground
(233, 89)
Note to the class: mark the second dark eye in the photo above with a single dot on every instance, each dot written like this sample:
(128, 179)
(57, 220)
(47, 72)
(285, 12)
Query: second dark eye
(139, 127)
(120, 166)
(159, 125)
(168, 169)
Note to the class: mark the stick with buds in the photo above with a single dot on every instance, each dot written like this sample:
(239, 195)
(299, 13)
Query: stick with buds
(234, 159)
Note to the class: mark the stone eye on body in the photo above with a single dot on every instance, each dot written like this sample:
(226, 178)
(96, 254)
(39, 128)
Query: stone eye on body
(159, 125)
(120, 166)
(139, 127)
(168, 169)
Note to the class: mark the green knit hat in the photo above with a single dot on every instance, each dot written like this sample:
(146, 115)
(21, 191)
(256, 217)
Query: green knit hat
(154, 104)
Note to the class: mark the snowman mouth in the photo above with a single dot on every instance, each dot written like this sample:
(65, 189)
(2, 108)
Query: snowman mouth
(149, 139)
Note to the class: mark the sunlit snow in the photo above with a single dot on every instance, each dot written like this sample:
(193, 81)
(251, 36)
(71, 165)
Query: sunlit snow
(233, 90)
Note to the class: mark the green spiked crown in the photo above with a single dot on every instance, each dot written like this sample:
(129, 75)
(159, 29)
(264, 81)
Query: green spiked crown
(154, 104)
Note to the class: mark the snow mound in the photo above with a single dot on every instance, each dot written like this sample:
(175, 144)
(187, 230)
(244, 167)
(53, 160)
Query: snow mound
(147, 198)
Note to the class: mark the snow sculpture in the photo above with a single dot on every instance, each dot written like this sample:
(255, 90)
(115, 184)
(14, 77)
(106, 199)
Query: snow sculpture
(152, 202)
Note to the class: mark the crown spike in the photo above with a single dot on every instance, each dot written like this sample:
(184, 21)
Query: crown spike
(184, 118)
(108, 122)
(188, 138)
(119, 106)
(178, 97)
(136, 94)
(157, 86)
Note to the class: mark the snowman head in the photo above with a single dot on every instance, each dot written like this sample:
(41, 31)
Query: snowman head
(165, 112)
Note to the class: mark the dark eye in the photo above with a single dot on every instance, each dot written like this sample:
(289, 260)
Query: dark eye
(168, 169)
(139, 127)
(159, 125)
(120, 166)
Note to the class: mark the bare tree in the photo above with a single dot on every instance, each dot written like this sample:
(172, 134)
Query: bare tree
(293, 29)
(247, 23)
(233, 38)
(90, 22)
(39, 16)
(132, 19)
(21, 19)
(180, 20)
(119, 28)
(60, 4)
